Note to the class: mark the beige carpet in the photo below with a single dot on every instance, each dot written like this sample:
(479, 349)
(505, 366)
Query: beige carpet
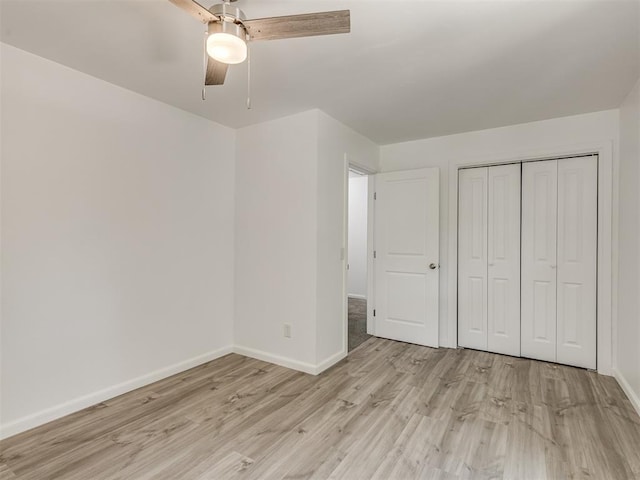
(357, 322)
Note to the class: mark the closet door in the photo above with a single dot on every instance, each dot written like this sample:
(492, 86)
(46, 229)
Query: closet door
(539, 235)
(577, 253)
(503, 277)
(472, 258)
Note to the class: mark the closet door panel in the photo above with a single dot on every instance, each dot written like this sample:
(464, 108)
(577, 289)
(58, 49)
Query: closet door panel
(539, 261)
(503, 273)
(472, 258)
(577, 252)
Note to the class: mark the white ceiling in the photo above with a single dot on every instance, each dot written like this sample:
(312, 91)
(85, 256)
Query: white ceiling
(408, 69)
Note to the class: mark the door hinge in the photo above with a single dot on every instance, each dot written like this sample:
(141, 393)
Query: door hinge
(374, 312)
(375, 195)
(374, 254)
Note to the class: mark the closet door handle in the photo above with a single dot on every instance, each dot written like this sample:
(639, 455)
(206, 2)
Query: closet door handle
(433, 266)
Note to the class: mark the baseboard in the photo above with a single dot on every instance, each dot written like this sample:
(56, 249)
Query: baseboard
(330, 362)
(276, 359)
(44, 416)
(355, 295)
(633, 396)
(289, 362)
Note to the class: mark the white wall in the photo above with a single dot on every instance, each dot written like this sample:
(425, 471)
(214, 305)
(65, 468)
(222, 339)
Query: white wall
(290, 230)
(276, 235)
(358, 192)
(337, 146)
(513, 141)
(628, 338)
(117, 240)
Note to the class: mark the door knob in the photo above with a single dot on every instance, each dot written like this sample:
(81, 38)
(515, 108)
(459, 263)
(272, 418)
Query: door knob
(433, 266)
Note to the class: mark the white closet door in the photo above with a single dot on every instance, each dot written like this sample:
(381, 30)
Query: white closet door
(539, 236)
(503, 277)
(577, 252)
(472, 258)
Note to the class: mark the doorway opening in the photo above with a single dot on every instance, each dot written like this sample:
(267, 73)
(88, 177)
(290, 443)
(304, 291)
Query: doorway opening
(357, 259)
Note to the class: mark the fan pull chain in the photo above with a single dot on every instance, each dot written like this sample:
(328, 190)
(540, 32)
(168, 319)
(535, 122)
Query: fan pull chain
(248, 76)
(204, 65)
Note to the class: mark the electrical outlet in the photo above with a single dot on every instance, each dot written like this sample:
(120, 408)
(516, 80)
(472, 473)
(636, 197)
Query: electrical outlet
(286, 330)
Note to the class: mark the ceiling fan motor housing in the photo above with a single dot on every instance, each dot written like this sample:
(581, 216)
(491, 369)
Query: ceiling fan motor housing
(228, 13)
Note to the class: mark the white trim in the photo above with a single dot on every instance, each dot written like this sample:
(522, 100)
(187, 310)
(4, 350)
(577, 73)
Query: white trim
(356, 167)
(357, 295)
(57, 411)
(329, 362)
(615, 231)
(276, 359)
(633, 397)
(290, 362)
(607, 208)
(371, 190)
(345, 256)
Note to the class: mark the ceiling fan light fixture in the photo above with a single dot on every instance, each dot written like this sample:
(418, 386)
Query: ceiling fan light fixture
(229, 31)
(226, 42)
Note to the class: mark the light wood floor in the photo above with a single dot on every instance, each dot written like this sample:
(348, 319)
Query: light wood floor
(390, 411)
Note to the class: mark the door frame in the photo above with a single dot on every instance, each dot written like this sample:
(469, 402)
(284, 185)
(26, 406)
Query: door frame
(607, 237)
(350, 165)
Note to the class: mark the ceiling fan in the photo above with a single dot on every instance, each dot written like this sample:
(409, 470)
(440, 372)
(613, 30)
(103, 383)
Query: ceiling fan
(229, 31)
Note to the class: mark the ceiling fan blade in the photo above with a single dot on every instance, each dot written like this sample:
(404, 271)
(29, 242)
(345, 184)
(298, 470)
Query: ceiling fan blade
(195, 9)
(305, 25)
(216, 71)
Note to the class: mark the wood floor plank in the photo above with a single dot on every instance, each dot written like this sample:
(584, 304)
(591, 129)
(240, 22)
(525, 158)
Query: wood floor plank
(309, 449)
(334, 436)
(367, 452)
(211, 442)
(407, 457)
(114, 455)
(527, 443)
(388, 411)
(429, 473)
(438, 394)
(5, 473)
(229, 467)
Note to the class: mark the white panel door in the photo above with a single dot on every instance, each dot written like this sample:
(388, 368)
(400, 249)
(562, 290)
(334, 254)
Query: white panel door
(406, 241)
(577, 252)
(539, 227)
(503, 274)
(472, 258)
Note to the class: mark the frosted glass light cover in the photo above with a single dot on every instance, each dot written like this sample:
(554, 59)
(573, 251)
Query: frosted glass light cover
(226, 48)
